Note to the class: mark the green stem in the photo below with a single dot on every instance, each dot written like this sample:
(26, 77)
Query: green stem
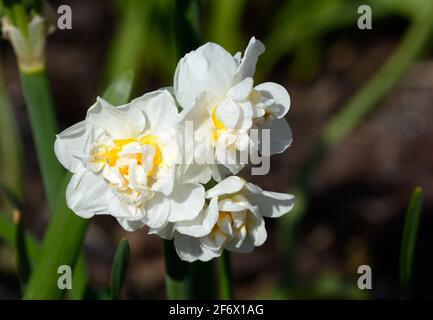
(177, 273)
(351, 116)
(37, 95)
(184, 280)
(203, 281)
(226, 290)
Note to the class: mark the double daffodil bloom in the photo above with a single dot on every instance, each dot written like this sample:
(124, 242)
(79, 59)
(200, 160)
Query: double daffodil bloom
(217, 93)
(233, 220)
(124, 164)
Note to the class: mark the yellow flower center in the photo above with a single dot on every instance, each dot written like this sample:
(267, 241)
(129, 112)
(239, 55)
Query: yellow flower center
(111, 155)
(219, 126)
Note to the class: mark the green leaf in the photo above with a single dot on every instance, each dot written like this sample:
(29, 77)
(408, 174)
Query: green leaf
(23, 260)
(408, 243)
(118, 271)
(120, 89)
(7, 233)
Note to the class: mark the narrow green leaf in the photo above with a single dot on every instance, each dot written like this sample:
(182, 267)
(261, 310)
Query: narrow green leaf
(7, 233)
(408, 243)
(120, 89)
(118, 270)
(10, 196)
(23, 260)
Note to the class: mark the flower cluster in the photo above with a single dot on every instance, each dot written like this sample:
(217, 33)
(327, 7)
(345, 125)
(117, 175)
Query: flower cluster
(129, 161)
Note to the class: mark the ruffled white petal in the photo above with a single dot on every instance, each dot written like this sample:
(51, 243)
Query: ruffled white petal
(194, 173)
(280, 135)
(229, 185)
(87, 194)
(272, 204)
(186, 201)
(242, 90)
(210, 68)
(228, 113)
(166, 231)
(280, 96)
(131, 225)
(70, 146)
(190, 249)
(113, 120)
(158, 107)
(247, 67)
(202, 224)
(157, 211)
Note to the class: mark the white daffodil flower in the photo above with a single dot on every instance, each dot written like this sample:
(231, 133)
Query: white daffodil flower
(217, 94)
(123, 161)
(233, 220)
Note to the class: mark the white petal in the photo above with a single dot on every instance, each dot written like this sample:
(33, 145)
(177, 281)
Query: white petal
(229, 185)
(113, 120)
(158, 107)
(131, 225)
(242, 90)
(190, 249)
(165, 181)
(120, 208)
(87, 194)
(166, 231)
(70, 146)
(194, 173)
(202, 224)
(280, 135)
(272, 204)
(271, 90)
(228, 113)
(210, 68)
(229, 205)
(186, 201)
(257, 229)
(157, 211)
(248, 63)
